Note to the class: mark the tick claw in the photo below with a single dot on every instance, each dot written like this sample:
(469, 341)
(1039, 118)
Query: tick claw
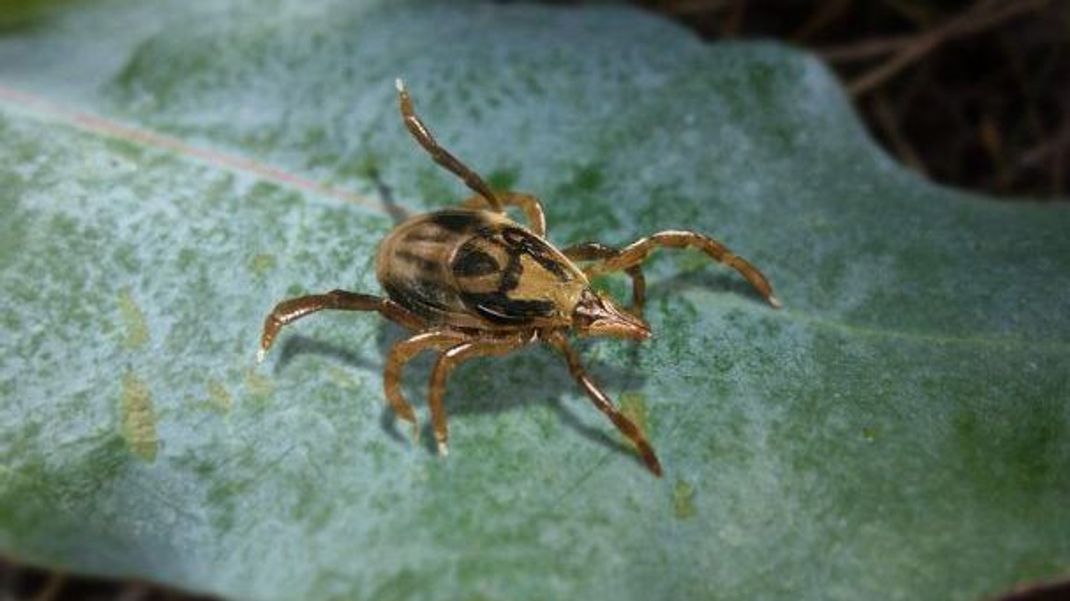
(775, 302)
(443, 450)
(260, 354)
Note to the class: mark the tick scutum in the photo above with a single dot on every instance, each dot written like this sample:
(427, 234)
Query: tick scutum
(473, 262)
(477, 269)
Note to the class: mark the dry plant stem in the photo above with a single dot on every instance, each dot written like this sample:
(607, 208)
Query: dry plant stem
(688, 7)
(1053, 149)
(734, 23)
(134, 591)
(826, 13)
(982, 15)
(52, 588)
(865, 49)
(889, 123)
(916, 12)
(918, 47)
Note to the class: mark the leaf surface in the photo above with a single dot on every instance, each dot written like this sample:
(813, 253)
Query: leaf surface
(169, 171)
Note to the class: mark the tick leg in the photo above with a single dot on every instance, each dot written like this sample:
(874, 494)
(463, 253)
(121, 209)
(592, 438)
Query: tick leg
(526, 202)
(636, 252)
(451, 359)
(291, 310)
(590, 251)
(440, 155)
(600, 400)
(399, 356)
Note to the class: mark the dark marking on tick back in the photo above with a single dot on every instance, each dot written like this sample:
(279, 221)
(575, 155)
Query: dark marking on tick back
(458, 222)
(497, 307)
(422, 297)
(423, 263)
(472, 262)
(422, 236)
(519, 241)
(511, 274)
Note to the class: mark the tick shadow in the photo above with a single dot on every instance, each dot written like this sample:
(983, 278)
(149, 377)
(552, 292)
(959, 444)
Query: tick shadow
(532, 374)
(536, 374)
(397, 213)
(713, 281)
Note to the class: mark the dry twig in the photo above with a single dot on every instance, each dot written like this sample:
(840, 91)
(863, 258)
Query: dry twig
(982, 15)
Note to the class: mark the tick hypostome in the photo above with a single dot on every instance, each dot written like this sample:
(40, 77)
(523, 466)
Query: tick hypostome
(471, 282)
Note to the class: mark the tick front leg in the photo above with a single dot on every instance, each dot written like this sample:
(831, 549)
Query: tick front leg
(530, 205)
(451, 359)
(440, 155)
(636, 252)
(591, 251)
(291, 310)
(600, 400)
(395, 362)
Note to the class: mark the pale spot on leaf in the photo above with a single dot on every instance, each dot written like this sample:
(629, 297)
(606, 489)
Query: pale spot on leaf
(134, 324)
(138, 417)
(683, 497)
(219, 398)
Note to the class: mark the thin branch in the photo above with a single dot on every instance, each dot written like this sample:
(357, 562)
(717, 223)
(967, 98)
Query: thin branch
(889, 124)
(826, 13)
(982, 15)
(52, 588)
(690, 7)
(866, 49)
(734, 22)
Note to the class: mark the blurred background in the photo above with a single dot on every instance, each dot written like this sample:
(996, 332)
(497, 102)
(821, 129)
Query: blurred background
(971, 94)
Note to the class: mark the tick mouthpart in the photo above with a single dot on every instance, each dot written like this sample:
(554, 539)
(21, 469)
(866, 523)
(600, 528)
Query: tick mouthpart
(596, 315)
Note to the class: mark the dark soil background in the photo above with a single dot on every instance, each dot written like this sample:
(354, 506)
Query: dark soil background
(971, 94)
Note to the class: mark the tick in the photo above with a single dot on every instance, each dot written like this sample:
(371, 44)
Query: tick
(471, 282)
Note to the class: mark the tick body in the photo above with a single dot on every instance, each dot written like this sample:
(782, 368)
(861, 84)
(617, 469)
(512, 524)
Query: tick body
(470, 282)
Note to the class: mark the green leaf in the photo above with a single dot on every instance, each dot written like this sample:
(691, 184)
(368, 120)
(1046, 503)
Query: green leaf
(169, 171)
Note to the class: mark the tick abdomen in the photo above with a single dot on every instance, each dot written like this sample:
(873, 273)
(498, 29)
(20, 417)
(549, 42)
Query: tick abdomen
(477, 269)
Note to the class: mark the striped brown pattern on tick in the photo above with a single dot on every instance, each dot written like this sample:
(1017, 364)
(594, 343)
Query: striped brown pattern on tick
(474, 268)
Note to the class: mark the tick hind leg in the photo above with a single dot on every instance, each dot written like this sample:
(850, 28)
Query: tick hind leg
(591, 251)
(635, 253)
(446, 363)
(602, 402)
(527, 203)
(440, 155)
(291, 310)
(399, 356)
